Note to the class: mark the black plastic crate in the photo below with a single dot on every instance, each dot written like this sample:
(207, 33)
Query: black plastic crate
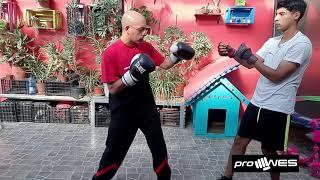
(24, 111)
(60, 115)
(8, 111)
(14, 86)
(80, 114)
(58, 88)
(102, 115)
(41, 112)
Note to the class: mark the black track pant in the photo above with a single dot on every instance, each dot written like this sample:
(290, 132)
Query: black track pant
(122, 130)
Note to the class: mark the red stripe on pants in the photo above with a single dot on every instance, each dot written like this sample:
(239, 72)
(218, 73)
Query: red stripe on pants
(106, 169)
(161, 166)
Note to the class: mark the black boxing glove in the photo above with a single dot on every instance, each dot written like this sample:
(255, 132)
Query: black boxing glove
(249, 56)
(242, 53)
(141, 65)
(180, 51)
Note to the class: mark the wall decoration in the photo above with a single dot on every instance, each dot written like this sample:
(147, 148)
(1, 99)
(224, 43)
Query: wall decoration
(44, 18)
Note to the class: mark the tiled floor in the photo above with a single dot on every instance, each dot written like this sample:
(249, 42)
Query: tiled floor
(70, 151)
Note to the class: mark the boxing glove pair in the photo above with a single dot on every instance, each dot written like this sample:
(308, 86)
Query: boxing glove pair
(142, 64)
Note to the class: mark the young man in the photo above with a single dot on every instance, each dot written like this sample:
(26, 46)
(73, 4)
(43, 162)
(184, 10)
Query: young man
(126, 65)
(282, 62)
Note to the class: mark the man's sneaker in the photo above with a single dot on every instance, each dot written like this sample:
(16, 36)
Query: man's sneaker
(224, 178)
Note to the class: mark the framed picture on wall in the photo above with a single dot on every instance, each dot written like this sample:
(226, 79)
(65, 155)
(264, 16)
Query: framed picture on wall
(301, 22)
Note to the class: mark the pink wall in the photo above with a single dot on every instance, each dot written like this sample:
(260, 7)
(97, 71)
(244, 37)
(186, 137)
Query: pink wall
(182, 12)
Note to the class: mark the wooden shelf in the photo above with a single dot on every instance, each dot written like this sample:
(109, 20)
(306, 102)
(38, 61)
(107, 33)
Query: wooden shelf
(209, 15)
(44, 97)
(173, 102)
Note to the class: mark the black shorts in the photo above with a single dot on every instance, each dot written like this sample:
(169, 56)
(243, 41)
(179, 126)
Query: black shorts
(271, 128)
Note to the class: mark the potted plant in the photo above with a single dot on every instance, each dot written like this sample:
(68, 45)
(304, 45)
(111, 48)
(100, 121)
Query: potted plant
(61, 59)
(91, 80)
(41, 71)
(69, 52)
(15, 50)
(201, 44)
(164, 83)
(57, 63)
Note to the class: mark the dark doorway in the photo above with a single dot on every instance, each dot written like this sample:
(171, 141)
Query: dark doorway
(216, 120)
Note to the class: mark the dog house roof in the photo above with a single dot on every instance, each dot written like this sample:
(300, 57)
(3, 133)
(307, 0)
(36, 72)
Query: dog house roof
(207, 79)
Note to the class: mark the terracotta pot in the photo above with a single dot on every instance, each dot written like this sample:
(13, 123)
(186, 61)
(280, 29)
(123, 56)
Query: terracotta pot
(98, 91)
(18, 72)
(179, 89)
(41, 88)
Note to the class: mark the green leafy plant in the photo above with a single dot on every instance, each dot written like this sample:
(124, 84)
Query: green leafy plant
(106, 18)
(39, 69)
(90, 78)
(14, 47)
(99, 44)
(147, 14)
(201, 44)
(69, 51)
(61, 60)
(163, 83)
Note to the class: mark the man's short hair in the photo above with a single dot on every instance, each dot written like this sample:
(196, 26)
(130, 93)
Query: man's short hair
(293, 5)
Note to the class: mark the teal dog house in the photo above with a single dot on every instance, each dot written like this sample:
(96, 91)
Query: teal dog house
(215, 102)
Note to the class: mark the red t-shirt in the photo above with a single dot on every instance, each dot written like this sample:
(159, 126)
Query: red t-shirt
(116, 59)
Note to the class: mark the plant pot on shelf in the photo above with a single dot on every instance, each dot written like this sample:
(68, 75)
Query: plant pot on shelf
(41, 88)
(18, 72)
(98, 91)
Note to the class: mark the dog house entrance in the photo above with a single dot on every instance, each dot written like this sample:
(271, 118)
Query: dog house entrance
(216, 120)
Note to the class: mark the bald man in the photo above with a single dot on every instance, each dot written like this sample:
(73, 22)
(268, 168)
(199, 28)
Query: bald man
(126, 65)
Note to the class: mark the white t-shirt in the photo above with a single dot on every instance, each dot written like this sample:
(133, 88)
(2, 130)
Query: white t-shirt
(281, 96)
